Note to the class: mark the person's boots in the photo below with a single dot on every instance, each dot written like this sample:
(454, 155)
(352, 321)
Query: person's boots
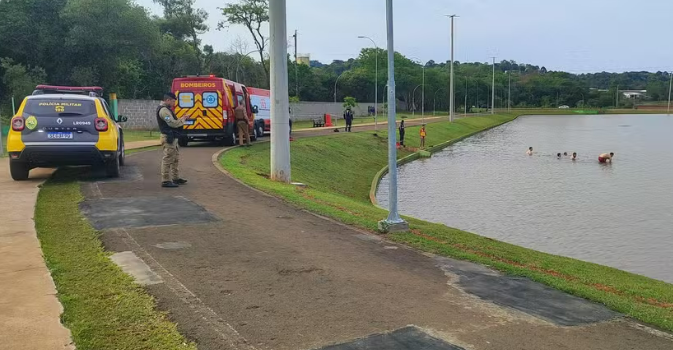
(179, 181)
(169, 184)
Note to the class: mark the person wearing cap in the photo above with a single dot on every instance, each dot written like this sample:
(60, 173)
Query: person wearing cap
(348, 115)
(170, 126)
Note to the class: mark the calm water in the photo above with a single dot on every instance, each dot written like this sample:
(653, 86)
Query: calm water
(620, 214)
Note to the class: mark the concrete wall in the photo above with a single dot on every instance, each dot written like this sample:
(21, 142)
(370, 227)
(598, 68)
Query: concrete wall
(142, 113)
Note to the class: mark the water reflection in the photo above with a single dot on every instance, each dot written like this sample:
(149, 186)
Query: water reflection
(618, 214)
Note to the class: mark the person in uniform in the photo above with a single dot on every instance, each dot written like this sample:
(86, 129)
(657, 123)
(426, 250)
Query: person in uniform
(402, 132)
(348, 115)
(170, 127)
(242, 124)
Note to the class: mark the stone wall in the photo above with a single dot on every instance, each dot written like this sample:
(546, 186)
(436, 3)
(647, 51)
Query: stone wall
(141, 114)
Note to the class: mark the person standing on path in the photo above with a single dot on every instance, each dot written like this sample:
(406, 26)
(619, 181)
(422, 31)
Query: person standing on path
(423, 134)
(348, 115)
(170, 126)
(402, 131)
(242, 123)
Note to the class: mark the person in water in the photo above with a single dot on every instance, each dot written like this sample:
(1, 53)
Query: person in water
(565, 154)
(530, 151)
(574, 156)
(606, 158)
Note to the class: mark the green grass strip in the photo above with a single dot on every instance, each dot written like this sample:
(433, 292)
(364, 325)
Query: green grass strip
(103, 307)
(339, 170)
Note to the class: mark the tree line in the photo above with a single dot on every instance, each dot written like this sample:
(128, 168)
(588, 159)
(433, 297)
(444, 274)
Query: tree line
(120, 46)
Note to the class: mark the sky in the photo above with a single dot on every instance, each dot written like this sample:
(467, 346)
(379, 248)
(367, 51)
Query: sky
(578, 36)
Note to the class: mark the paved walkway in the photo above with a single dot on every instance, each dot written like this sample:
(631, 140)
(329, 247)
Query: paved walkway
(243, 270)
(29, 309)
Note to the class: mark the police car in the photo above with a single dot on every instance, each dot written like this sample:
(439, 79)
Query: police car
(61, 126)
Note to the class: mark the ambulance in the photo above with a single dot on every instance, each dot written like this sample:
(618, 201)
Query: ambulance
(209, 102)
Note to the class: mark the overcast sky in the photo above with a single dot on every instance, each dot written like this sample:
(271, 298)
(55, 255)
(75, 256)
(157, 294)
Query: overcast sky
(572, 35)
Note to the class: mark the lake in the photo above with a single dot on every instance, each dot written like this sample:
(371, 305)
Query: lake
(618, 214)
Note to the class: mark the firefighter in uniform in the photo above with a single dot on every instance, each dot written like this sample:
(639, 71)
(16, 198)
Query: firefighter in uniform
(242, 123)
(170, 127)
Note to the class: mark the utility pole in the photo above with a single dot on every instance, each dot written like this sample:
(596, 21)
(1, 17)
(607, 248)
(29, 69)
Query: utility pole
(509, 91)
(466, 96)
(493, 89)
(670, 85)
(296, 65)
(452, 96)
(393, 223)
(280, 104)
(617, 98)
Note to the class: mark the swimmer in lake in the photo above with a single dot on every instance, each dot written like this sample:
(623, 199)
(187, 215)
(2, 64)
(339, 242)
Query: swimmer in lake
(530, 151)
(565, 154)
(606, 158)
(574, 156)
(558, 155)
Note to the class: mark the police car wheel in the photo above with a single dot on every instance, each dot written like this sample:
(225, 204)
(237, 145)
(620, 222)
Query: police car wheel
(112, 167)
(260, 131)
(19, 171)
(122, 154)
(254, 135)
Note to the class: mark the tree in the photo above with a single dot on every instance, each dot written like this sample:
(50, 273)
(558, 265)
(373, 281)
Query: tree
(252, 14)
(19, 79)
(184, 22)
(350, 102)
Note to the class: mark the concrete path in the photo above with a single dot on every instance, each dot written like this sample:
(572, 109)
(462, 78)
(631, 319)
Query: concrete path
(237, 269)
(29, 309)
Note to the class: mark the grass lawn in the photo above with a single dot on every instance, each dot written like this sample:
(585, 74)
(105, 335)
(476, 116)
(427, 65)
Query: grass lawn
(103, 307)
(339, 169)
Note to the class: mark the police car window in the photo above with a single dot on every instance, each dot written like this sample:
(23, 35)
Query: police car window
(106, 108)
(186, 100)
(210, 99)
(56, 107)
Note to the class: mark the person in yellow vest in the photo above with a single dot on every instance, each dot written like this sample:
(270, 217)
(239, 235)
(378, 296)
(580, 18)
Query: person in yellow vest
(423, 134)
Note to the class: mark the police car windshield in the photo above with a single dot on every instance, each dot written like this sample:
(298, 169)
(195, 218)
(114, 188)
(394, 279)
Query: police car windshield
(59, 107)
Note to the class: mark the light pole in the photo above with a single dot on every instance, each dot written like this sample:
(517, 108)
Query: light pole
(393, 223)
(422, 91)
(670, 85)
(376, 83)
(413, 99)
(466, 96)
(280, 103)
(336, 119)
(452, 106)
(434, 101)
(238, 63)
(509, 91)
(493, 89)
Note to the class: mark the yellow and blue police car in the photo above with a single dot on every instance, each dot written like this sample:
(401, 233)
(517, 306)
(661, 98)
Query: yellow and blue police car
(64, 126)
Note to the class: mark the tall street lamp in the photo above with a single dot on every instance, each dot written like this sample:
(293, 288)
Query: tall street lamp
(422, 91)
(670, 85)
(376, 82)
(493, 89)
(393, 223)
(451, 92)
(413, 99)
(434, 101)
